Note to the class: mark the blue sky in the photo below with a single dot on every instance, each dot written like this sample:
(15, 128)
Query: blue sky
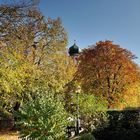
(89, 21)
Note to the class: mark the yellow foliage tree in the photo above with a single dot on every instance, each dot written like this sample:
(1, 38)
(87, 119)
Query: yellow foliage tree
(33, 54)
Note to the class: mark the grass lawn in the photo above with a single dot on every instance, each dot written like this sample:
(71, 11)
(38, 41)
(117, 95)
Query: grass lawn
(9, 136)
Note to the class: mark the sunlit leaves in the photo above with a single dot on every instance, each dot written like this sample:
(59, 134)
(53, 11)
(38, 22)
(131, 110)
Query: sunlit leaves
(43, 118)
(33, 54)
(107, 70)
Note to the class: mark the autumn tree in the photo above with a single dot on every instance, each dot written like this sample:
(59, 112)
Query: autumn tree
(28, 32)
(107, 70)
(38, 40)
(33, 53)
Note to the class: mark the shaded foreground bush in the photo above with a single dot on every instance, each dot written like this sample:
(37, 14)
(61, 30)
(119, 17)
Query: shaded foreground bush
(87, 136)
(123, 125)
(122, 134)
(6, 121)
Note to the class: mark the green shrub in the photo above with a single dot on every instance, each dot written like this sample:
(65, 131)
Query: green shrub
(92, 111)
(43, 118)
(87, 136)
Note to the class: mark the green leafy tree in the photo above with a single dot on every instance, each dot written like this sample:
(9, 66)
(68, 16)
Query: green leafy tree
(43, 118)
(91, 111)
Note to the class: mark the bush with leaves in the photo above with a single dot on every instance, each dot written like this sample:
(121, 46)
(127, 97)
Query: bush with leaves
(91, 110)
(6, 120)
(43, 118)
(87, 136)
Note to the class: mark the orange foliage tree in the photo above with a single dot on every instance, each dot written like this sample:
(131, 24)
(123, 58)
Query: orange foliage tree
(107, 70)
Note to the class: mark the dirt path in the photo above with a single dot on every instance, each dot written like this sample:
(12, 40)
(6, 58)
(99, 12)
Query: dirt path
(9, 136)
